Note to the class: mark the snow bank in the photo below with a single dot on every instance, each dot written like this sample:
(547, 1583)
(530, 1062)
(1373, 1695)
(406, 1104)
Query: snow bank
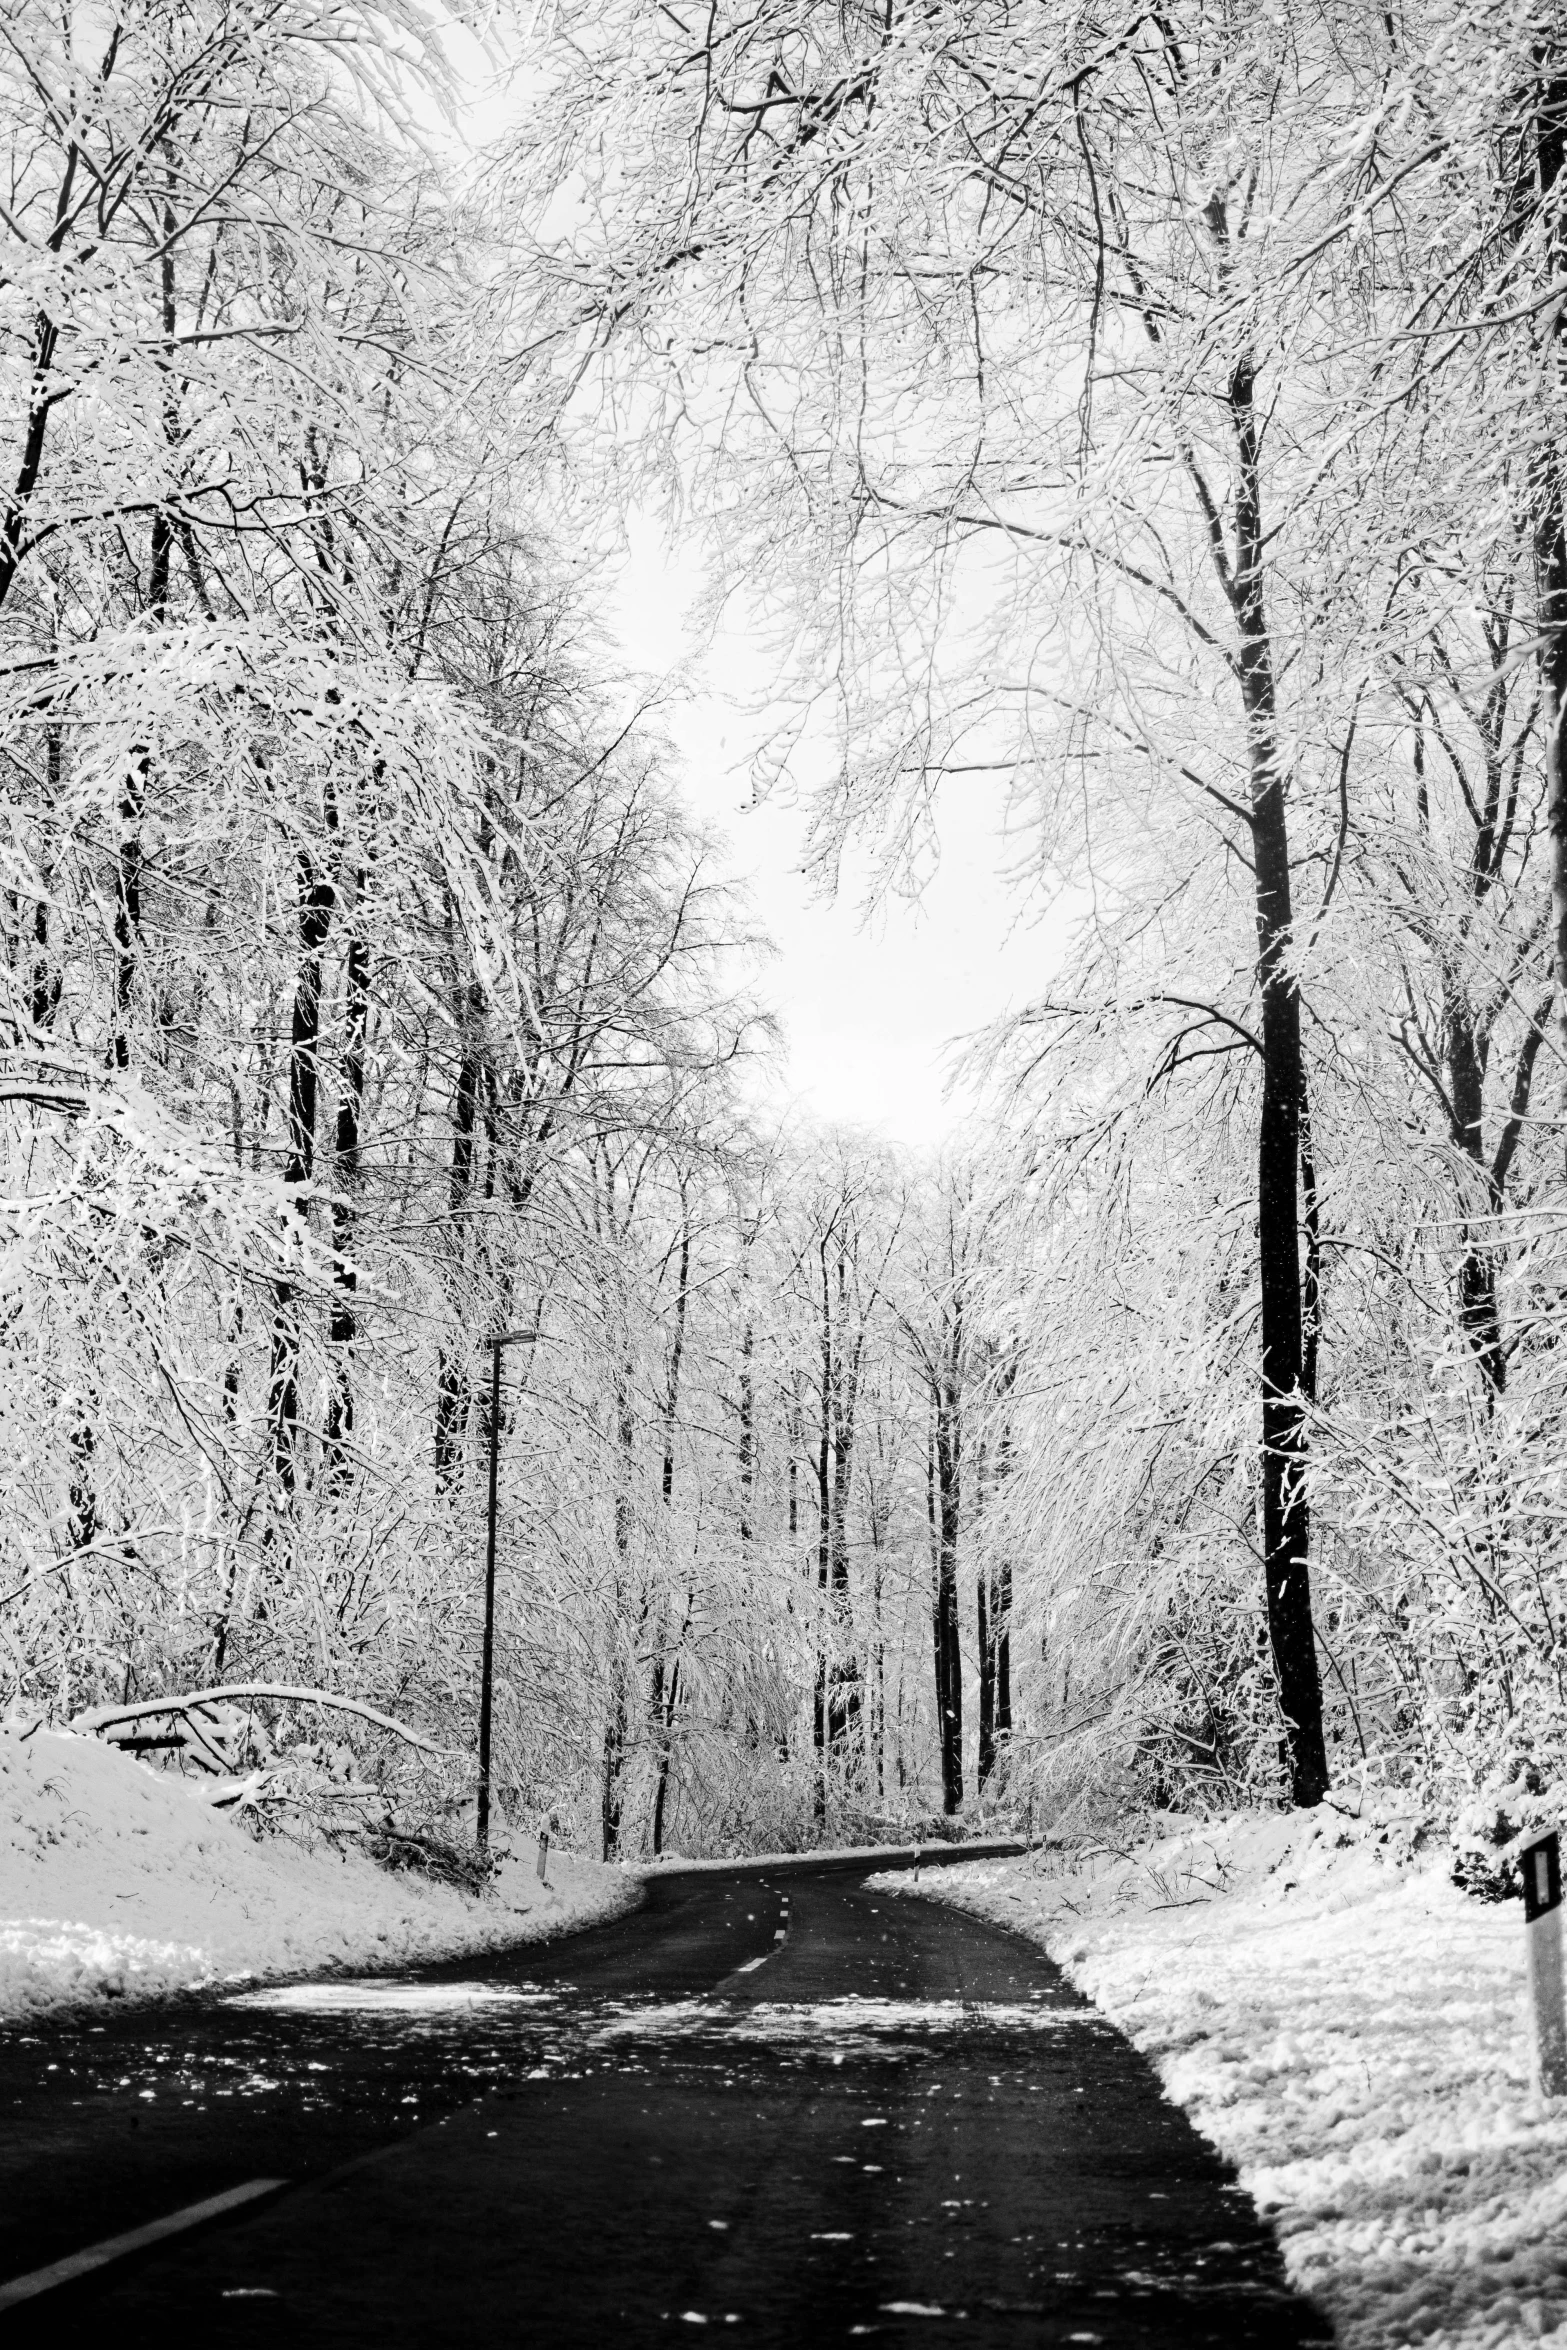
(116, 1881)
(1352, 2032)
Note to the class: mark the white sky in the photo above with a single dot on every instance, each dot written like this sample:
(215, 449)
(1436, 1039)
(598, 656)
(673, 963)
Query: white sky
(872, 1008)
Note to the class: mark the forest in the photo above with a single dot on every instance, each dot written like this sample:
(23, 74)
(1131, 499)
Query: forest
(1156, 410)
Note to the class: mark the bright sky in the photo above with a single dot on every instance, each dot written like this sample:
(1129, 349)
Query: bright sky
(873, 1008)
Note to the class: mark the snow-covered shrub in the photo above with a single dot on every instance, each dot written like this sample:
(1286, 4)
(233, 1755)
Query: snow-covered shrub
(1522, 1792)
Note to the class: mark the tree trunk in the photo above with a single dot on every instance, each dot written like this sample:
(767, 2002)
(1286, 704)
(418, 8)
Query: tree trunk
(984, 1619)
(747, 1445)
(985, 1757)
(949, 1474)
(843, 1696)
(1311, 1220)
(665, 1754)
(617, 1712)
(1285, 1523)
(316, 899)
(133, 799)
(938, 1621)
(84, 1521)
(1550, 540)
(344, 1328)
(677, 1351)
(132, 810)
(823, 1555)
(41, 401)
(47, 979)
(1001, 1599)
(1478, 1313)
(614, 1755)
(664, 1694)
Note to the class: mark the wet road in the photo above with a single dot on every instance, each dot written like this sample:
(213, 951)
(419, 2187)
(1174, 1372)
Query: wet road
(778, 2104)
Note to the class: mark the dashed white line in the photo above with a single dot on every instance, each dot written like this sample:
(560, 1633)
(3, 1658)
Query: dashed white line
(81, 2264)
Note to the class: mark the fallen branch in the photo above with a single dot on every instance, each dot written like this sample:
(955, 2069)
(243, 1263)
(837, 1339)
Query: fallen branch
(103, 1717)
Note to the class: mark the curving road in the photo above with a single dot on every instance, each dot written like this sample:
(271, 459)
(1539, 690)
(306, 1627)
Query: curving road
(778, 2104)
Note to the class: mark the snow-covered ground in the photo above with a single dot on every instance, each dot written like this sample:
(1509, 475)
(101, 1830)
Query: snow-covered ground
(1352, 2032)
(116, 1880)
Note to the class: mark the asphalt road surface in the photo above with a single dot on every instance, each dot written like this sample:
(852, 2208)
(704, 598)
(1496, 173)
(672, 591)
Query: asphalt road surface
(779, 2105)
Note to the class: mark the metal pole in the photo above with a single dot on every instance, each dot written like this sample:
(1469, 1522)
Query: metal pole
(482, 1834)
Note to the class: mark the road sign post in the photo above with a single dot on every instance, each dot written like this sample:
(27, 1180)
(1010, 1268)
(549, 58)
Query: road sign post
(544, 1855)
(1542, 1909)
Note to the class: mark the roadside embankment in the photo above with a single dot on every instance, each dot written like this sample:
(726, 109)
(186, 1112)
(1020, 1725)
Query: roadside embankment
(1351, 2031)
(117, 1881)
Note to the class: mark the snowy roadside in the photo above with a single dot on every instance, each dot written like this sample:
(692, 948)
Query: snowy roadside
(116, 1882)
(1351, 2031)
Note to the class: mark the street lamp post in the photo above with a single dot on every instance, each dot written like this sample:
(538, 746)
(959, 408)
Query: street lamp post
(487, 1668)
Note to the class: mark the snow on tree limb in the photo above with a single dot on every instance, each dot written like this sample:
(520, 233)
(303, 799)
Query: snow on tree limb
(103, 1717)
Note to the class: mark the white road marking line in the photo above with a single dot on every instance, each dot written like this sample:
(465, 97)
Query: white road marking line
(81, 2264)
(752, 1964)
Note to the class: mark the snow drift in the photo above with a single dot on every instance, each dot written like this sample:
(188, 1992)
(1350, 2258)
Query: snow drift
(118, 1881)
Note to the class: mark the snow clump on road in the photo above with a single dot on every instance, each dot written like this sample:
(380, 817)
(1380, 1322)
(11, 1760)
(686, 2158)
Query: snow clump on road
(117, 1881)
(1351, 2031)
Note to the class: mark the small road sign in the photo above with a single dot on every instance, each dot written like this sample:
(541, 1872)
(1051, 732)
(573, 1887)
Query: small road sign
(1542, 1909)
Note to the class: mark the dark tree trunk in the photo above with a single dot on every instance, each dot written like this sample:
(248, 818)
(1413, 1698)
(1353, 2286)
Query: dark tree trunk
(44, 994)
(1311, 1219)
(127, 904)
(984, 1621)
(84, 1519)
(1285, 1524)
(133, 799)
(316, 899)
(844, 1695)
(823, 1557)
(132, 811)
(614, 1757)
(1478, 1313)
(876, 1705)
(949, 1475)
(676, 1354)
(344, 1327)
(938, 1621)
(1550, 535)
(876, 1740)
(985, 1757)
(747, 1445)
(664, 1695)
(617, 1712)
(1001, 1598)
(42, 399)
(665, 1755)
